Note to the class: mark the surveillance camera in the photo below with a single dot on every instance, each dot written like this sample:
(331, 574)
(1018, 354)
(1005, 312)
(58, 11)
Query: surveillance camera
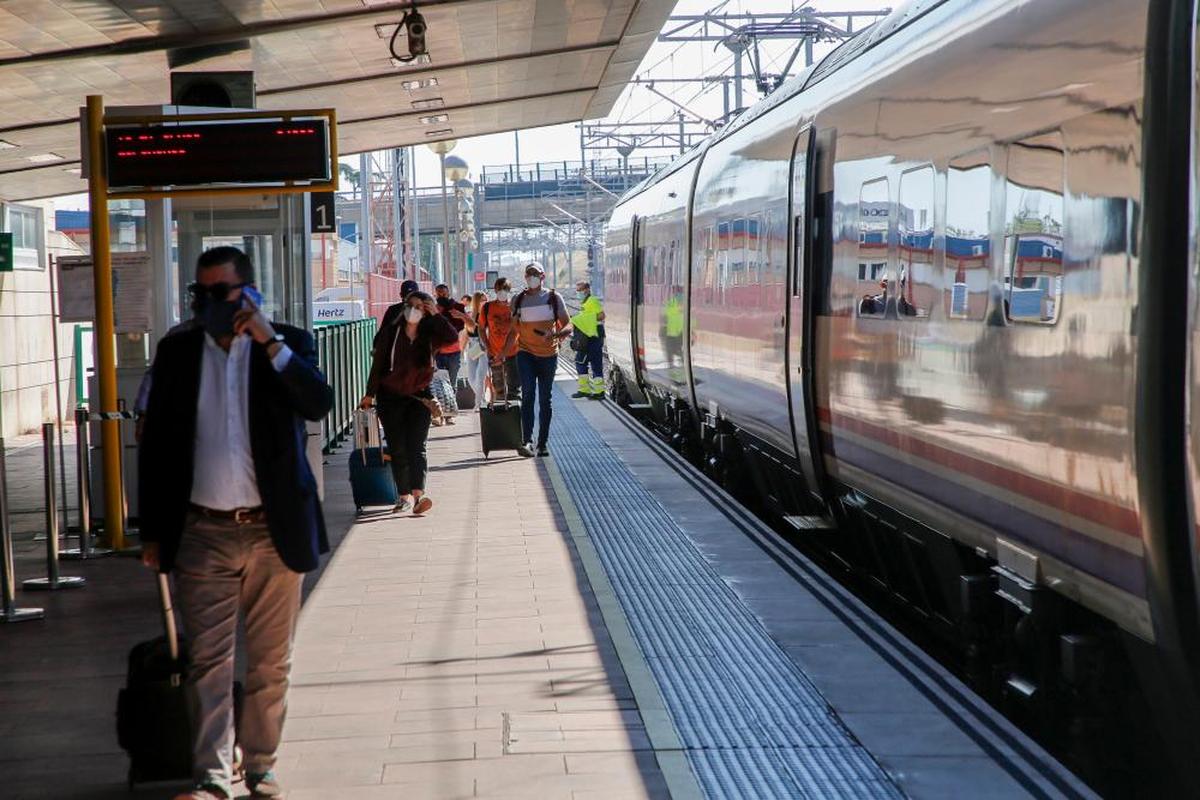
(415, 25)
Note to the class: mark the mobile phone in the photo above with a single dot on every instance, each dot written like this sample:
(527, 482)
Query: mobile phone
(253, 294)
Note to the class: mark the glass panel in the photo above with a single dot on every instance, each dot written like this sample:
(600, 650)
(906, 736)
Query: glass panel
(23, 222)
(1034, 230)
(918, 285)
(968, 242)
(873, 274)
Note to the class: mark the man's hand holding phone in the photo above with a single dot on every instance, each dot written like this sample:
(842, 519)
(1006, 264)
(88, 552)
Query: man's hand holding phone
(250, 318)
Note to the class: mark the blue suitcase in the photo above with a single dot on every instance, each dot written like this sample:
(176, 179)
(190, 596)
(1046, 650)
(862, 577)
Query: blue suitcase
(371, 478)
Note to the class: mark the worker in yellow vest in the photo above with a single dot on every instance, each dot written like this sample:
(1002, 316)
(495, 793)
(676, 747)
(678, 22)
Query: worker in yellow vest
(588, 342)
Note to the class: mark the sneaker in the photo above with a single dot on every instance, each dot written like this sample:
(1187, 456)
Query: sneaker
(264, 785)
(207, 791)
(543, 450)
(580, 394)
(449, 420)
(597, 396)
(526, 449)
(401, 506)
(423, 504)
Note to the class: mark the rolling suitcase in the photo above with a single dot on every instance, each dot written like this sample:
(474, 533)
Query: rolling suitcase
(464, 394)
(370, 474)
(153, 721)
(500, 426)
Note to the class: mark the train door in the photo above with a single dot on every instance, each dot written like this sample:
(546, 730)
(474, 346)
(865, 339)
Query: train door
(637, 306)
(800, 327)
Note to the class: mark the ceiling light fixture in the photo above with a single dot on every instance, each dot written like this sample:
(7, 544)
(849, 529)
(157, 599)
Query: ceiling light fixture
(432, 102)
(73, 170)
(440, 132)
(418, 83)
(44, 158)
(7, 145)
(435, 118)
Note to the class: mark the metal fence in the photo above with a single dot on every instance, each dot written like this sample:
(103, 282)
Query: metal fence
(344, 354)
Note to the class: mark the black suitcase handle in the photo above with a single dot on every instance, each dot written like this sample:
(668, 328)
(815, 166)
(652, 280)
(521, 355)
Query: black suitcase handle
(172, 633)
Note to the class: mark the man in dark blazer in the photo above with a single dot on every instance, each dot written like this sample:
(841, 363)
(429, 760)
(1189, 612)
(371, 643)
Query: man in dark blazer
(229, 504)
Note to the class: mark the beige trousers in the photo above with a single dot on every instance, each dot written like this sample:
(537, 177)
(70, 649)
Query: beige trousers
(223, 567)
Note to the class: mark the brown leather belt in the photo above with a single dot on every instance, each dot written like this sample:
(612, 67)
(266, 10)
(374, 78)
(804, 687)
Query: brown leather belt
(242, 516)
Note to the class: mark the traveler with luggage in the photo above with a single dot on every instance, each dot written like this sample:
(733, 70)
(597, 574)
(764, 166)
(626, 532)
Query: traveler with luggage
(449, 357)
(588, 342)
(398, 385)
(495, 322)
(228, 503)
(477, 359)
(540, 323)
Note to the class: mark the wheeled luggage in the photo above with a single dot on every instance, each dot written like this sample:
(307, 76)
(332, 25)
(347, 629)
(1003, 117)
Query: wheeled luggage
(153, 722)
(500, 427)
(371, 478)
(465, 394)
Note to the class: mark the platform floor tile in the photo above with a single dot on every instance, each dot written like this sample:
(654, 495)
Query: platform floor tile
(751, 722)
(462, 654)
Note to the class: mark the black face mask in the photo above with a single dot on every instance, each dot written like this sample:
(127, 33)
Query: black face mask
(216, 316)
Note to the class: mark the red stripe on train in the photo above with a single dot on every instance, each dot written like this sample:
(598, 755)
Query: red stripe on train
(1095, 509)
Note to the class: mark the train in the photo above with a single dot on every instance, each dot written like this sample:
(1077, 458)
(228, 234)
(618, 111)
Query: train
(932, 305)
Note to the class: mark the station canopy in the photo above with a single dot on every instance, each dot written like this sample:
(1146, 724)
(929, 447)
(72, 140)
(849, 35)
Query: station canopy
(497, 65)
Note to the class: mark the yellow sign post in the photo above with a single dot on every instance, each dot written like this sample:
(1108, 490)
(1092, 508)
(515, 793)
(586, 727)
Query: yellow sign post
(106, 352)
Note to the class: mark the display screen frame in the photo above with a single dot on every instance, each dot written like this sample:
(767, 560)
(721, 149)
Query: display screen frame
(264, 152)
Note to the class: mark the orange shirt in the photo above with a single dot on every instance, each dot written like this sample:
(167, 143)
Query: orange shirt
(497, 316)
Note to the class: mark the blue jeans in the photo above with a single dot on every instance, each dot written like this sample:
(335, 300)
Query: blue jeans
(449, 362)
(536, 372)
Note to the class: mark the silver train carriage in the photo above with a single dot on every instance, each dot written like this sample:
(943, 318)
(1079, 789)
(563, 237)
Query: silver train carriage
(939, 288)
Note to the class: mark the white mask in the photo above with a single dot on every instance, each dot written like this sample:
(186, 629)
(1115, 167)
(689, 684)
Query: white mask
(413, 315)
(502, 295)
(533, 282)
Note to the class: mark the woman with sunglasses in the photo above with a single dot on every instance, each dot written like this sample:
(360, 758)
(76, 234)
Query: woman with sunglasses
(401, 371)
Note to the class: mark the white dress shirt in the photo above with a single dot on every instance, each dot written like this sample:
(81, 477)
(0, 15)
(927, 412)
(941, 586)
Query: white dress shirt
(224, 466)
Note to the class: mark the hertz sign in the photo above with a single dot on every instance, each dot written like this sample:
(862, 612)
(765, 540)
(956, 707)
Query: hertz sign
(227, 152)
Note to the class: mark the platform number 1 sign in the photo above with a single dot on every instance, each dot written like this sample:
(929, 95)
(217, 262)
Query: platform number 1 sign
(324, 212)
(6, 252)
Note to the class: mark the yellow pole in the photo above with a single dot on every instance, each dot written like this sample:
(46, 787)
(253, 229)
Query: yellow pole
(106, 371)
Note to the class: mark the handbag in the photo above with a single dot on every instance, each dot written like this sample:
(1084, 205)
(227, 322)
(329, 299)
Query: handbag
(579, 341)
(475, 349)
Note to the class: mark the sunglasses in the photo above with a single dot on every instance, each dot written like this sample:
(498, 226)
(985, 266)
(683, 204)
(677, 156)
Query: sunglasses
(213, 291)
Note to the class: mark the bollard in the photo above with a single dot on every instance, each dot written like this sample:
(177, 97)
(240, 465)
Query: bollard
(8, 609)
(52, 580)
(83, 480)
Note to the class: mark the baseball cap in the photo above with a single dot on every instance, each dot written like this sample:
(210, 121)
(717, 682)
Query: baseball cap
(408, 287)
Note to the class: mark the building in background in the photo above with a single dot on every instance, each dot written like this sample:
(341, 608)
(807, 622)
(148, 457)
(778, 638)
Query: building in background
(27, 376)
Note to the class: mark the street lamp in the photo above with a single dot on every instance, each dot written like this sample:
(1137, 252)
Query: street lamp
(454, 169)
(463, 192)
(442, 148)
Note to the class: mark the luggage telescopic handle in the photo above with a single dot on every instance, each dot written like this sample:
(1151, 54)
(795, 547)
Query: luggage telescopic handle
(168, 610)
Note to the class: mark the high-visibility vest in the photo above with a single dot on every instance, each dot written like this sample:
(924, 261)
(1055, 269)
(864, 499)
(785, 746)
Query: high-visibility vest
(588, 318)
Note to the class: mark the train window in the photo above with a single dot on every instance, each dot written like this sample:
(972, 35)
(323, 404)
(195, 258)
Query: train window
(916, 284)
(873, 277)
(1033, 230)
(968, 235)
(724, 243)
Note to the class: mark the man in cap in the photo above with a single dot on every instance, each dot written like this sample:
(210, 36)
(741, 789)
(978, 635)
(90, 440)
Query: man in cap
(540, 322)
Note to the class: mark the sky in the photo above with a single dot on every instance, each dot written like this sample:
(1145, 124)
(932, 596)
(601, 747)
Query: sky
(636, 104)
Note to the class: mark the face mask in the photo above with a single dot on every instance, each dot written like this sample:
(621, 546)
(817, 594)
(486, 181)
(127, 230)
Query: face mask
(502, 295)
(533, 282)
(581, 295)
(216, 317)
(413, 315)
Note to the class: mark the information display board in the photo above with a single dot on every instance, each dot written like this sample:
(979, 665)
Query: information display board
(131, 291)
(225, 152)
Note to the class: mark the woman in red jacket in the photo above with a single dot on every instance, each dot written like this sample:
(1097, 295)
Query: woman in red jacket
(401, 371)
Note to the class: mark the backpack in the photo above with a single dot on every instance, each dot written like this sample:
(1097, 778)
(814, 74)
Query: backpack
(554, 300)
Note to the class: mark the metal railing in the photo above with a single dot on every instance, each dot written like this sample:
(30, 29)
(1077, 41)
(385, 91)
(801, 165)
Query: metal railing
(344, 355)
